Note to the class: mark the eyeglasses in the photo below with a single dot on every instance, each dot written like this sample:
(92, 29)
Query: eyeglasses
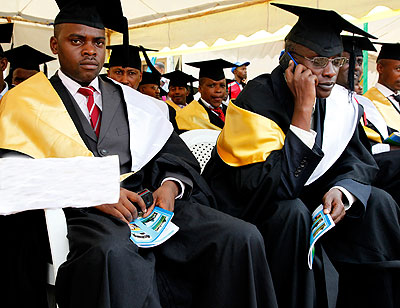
(322, 62)
(359, 61)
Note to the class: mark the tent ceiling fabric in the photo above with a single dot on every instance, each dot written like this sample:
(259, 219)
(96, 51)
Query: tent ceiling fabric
(158, 24)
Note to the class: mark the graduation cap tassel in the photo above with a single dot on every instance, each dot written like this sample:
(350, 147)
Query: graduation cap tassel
(148, 62)
(125, 42)
(352, 64)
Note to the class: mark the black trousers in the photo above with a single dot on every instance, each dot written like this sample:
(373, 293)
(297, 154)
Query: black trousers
(366, 253)
(214, 260)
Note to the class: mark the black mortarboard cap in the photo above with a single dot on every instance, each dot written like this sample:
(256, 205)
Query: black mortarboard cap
(26, 57)
(150, 78)
(6, 31)
(213, 69)
(389, 51)
(356, 44)
(118, 58)
(179, 79)
(93, 13)
(319, 30)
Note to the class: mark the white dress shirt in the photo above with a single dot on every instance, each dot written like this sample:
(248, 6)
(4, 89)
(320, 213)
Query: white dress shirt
(4, 90)
(73, 87)
(388, 94)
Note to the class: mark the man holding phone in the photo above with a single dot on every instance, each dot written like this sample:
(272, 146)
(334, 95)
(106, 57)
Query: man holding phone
(283, 151)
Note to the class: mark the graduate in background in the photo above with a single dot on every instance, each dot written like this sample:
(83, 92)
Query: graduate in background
(209, 111)
(125, 66)
(284, 151)
(386, 93)
(6, 31)
(386, 156)
(24, 62)
(180, 93)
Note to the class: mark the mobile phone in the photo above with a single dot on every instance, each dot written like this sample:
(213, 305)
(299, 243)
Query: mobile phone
(147, 197)
(285, 58)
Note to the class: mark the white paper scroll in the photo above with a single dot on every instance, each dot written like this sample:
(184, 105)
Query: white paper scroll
(27, 184)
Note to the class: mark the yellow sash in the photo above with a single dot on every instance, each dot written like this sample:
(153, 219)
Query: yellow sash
(248, 137)
(194, 116)
(385, 107)
(31, 115)
(371, 134)
(173, 105)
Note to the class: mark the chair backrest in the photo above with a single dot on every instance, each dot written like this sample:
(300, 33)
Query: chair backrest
(201, 142)
(57, 232)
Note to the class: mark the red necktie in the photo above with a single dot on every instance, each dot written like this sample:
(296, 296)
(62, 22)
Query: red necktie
(94, 110)
(220, 113)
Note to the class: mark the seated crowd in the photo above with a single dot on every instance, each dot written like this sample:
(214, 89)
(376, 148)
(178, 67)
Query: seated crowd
(294, 139)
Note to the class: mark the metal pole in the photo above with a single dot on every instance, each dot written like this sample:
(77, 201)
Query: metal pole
(365, 65)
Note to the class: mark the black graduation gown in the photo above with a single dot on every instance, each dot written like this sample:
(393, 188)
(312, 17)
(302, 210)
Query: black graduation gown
(214, 119)
(388, 177)
(272, 195)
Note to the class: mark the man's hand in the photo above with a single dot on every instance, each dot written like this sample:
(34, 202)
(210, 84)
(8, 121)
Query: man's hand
(164, 197)
(124, 209)
(332, 202)
(302, 83)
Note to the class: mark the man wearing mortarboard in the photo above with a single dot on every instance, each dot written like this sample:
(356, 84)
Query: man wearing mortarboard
(284, 151)
(178, 88)
(125, 66)
(209, 111)
(386, 93)
(179, 92)
(6, 31)
(126, 70)
(388, 177)
(78, 113)
(240, 74)
(24, 62)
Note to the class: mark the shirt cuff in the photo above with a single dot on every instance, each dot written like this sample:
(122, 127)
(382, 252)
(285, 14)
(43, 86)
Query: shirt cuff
(350, 199)
(180, 184)
(307, 137)
(380, 148)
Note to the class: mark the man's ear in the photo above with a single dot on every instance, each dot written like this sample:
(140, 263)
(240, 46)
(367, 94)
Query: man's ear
(54, 45)
(3, 64)
(140, 78)
(379, 68)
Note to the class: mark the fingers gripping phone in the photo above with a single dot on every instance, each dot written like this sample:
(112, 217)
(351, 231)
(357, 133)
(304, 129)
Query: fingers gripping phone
(147, 197)
(285, 58)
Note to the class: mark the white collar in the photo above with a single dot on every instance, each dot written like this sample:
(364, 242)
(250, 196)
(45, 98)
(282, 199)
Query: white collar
(209, 105)
(384, 90)
(73, 86)
(4, 90)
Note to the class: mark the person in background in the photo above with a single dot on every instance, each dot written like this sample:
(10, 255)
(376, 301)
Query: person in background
(240, 76)
(126, 71)
(385, 95)
(209, 111)
(24, 62)
(375, 127)
(150, 84)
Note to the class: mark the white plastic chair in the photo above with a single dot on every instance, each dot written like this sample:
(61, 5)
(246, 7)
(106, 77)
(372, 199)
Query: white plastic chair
(57, 233)
(201, 142)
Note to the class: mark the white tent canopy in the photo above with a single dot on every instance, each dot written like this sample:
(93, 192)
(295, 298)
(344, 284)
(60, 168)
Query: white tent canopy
(199, 30)
(159, 24)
